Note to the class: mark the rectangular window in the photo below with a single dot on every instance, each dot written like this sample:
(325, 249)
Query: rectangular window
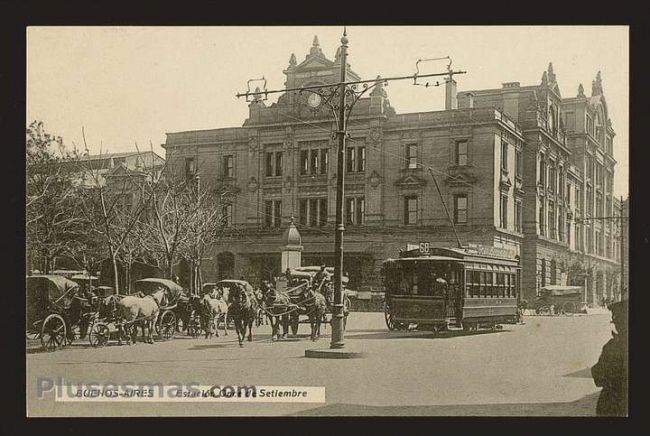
(411, 210)
(277, 213)
(551, 220)
(518, 217)
(568, 193)
(412, 156)
(324, 160)
(461, 153)
(228, 169)
(361, 159)
(355, 210)
(313, 212)
(560, 183)
(190, 168)
(504, 212)
(460, 208)
(302, 205)
(322, 211)
(552, 182)
(542, 226)
(278, 163)
(273, 213)
(350, 159)
(313, 161)
(349, 211)
(268, 213)
(269, 164)
(519, 163)
(504, 155)
(304, 162)
(361, 210)
(543, 272)
(560, 223)
(568, 228)
(542, 171)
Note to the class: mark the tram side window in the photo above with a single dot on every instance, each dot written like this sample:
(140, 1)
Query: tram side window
(471, 284)
(489, 285)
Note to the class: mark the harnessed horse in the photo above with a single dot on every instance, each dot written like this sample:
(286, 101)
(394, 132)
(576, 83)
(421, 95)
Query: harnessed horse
(144, 310)
(243, 307)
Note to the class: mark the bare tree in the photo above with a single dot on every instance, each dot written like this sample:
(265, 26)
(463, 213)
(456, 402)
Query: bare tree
(113, 211)
(53, 218)
(207, 219)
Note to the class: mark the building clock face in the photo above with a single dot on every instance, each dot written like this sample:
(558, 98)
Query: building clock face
(314, 100)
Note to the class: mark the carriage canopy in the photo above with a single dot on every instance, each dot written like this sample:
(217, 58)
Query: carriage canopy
(561, 291)
(48, 293)
(150, 285)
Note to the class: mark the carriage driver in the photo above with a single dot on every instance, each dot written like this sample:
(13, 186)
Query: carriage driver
(320, 277)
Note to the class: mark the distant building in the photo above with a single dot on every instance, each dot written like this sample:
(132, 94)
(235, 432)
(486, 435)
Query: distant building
(510, 162)
(104, 164)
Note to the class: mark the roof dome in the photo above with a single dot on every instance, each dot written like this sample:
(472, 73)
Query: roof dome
(292, 235)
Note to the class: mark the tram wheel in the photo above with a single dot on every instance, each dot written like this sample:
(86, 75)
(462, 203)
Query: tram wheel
(388, 316)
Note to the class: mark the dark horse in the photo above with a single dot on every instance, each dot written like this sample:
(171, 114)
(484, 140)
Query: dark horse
(315, 307)
(242, 310)
(277, 306)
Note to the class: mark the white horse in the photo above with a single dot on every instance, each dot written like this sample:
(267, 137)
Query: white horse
(146, 309)
(214, 309)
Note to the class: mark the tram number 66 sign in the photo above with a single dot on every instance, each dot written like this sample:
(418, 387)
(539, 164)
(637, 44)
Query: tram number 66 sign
(424, 247)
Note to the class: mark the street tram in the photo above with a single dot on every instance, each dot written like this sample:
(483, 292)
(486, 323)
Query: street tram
(441, 288)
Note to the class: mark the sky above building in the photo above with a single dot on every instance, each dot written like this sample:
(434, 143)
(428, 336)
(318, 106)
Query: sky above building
(128, 85)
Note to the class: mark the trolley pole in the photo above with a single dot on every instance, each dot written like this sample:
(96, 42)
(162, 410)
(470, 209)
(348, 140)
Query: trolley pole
(337, 308)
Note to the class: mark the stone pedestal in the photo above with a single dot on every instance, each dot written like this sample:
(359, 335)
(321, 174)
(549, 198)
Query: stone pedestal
(292, 250)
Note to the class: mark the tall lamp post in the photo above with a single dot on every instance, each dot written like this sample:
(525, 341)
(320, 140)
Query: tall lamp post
(335, 96)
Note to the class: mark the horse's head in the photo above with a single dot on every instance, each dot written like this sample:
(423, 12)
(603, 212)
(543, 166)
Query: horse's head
(160, 296)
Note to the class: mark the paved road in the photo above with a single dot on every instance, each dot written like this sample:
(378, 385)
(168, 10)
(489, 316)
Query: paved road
(540, 368)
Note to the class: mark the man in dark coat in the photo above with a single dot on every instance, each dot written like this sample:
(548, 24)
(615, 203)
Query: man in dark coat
(610, 372)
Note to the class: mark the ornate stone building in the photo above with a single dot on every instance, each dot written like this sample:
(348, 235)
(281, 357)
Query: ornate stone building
(485, 150)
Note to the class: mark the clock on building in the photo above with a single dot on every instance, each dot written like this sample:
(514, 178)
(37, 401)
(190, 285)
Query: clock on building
(314, 100)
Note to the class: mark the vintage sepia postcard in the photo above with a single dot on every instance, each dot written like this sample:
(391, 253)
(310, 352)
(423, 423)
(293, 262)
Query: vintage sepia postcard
(327, 221)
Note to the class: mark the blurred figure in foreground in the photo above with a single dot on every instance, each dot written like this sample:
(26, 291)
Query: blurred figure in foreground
(611, 371)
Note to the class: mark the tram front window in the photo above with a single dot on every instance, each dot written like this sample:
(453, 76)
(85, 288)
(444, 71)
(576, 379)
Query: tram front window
(422, 278)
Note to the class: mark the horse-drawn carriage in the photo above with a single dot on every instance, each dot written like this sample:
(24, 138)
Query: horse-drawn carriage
(559, 300)
(167, 322)
(54, 309)
(297, 298)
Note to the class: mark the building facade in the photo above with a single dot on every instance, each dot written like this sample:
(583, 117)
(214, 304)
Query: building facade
(485, 151)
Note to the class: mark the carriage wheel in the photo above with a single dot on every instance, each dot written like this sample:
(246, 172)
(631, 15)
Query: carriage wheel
(388, 316)
(53, 332)
(569, 308)
(99, 334)
(167, 325)
(544, 310)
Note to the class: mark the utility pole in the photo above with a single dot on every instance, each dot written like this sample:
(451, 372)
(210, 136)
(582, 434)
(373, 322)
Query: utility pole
(337, 308)
(335, 96)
